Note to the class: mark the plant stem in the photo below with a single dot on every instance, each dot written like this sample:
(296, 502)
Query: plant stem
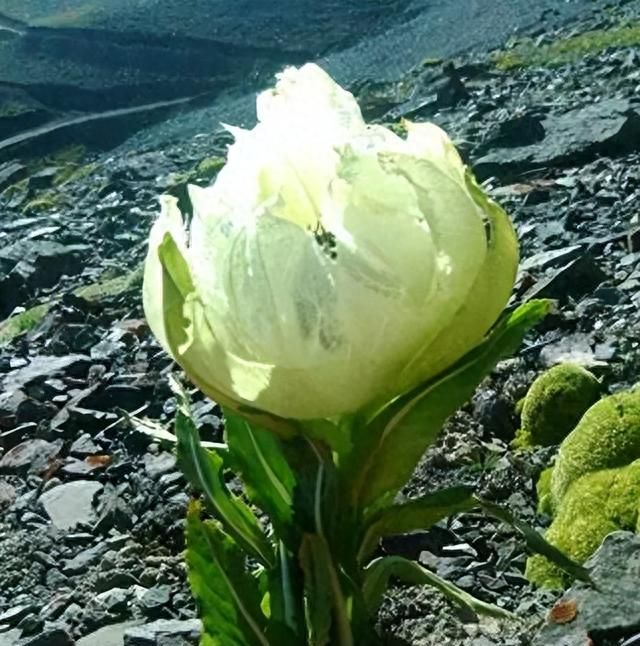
(345, 635)
(343, 623)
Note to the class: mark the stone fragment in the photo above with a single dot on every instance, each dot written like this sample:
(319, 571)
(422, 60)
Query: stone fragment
(610, 127)
(149, 634)
(33, 456)
(108, 636)
(50, 637)
(14, 615)
(610, 609)
(155, 601)
(71, 504)
(45, 367)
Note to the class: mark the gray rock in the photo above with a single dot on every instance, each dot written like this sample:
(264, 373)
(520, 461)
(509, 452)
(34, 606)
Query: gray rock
(114, 601)
(150, 634)
(159, 465)
(29, 264)
(7, 495)
(84, 560)
(50, 637)
(32, 456)
(11, 173)
(71, 504)
(609, 127)
(45, 367)
(9, 638)
(155, 601)
(43, 178)
(575, 279)
(551, 258)
(609, 610)
(14, 615)
(9, 403)
(108, 636)
(114, 579)
(84, 446)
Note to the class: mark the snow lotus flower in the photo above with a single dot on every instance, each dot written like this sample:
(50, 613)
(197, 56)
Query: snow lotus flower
(332, 265)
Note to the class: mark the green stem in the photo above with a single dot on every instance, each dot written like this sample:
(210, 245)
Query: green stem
(343, 624)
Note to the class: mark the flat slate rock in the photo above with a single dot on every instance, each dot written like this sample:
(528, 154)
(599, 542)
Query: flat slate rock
(10, 638)
(44, 367)
(150, 634)
(107, 636)
(609, 127)
(31, 456)
(71, 504)
(609, 610)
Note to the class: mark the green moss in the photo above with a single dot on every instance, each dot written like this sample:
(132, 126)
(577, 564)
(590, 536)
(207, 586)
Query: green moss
(209, 167)
(45, 202)
(15, 189)
(522, 440)
(73, 154)
(73, 172)
(398, 127)
(15, 325)
(431, 61)
(569, 49)
(555, 403)
(543, 489)
(595, 505)
(607, 436)
(111, 286)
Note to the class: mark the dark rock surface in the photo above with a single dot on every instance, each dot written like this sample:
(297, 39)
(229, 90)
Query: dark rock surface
(609, 127)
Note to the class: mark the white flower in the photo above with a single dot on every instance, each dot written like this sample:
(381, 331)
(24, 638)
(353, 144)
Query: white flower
(332, 265)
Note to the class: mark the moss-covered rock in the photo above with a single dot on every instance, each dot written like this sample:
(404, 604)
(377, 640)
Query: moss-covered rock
(594, 505)
(543, 489)
(555, 403)
(111, 286)
(607, 436)
(15, 325)
(528, 53)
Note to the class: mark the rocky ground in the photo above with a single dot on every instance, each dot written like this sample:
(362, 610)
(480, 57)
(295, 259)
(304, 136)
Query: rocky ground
(92, 506)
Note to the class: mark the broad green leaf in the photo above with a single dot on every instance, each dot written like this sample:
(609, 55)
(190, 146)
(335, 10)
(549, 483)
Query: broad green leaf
(227, 594)
(257, 456)
(392, 443)
(535, 541)
(414, 515)
(380, 570)
(204, 469)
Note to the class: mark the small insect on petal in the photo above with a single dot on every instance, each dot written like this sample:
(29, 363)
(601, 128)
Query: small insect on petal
(563, 612)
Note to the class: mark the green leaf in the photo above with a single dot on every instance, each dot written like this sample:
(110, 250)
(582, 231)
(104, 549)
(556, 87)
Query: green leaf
(257, 456)
(392, 443)
(420, 513)
(228, 595)
(380, 570)
(535, 541)
(204, 469)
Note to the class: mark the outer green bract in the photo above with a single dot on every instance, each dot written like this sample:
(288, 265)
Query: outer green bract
(332, 265)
